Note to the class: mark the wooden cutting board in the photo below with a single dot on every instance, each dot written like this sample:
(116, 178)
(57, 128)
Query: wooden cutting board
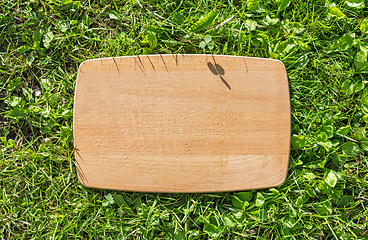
(182, 123)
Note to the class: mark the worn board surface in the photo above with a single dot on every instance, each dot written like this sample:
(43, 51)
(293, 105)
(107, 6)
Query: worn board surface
(182, 123)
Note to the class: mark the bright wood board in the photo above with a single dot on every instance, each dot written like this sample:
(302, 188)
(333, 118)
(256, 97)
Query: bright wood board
(182, 123)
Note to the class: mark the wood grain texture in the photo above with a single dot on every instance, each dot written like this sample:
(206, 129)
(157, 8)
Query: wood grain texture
(182, 123)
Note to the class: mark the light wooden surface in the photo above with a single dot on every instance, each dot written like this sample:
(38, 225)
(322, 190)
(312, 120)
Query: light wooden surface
(182, 123)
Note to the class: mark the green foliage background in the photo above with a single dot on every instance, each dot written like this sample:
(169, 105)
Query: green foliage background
(324, 47)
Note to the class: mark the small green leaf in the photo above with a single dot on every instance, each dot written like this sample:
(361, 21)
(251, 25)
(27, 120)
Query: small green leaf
(113, 15)
(178, 18)
(323, 208)
(273, 55)
(336, 195)
(310, 192)
(322, 137)
(118, 199)
(304, 46)
(30, 59)
(289, 222)
(260, 199)
(365, 118)
(230, 221)
(286, 46)
(250, 25)
(327, 145)
(237, 202)
(105, 203)
(324, 187)
(37, 36)
(274, 191)
(310, 176)
(66, 2)
(147, 51)
(335, 12)
(28, 93)
(345, 201)
(364, 143)
(45, 84)
(339, 158)
(264, 39)
(331, 179)
(47, 38)
(270, 22)
(13, 100)
(329, 130)
(203, 22)
(32, 15)
(335, 142)
(357, 136)
(360, 60)
(327, 121)
(364, 26)
(244, 196)
(151, 39)
(13, 84)
(347, 87)
(180, 235)
(364, 104)
(207, 39)
(350, 149)
(62, 25)
(355, 3)
(344, 43)
(358, 86)
(282, 4)
(152, 28)
(24, 49)
(298, 141)
(211, 46)
(212, 230)
(299, 201)
(12, 28)
(73, 22)
(256, 42)
(46, 128)
(202, 44)
(252, 5)
(343, 130)
(110, 199)
(17, 112)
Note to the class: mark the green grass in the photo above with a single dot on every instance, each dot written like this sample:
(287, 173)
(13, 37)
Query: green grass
(324, 47)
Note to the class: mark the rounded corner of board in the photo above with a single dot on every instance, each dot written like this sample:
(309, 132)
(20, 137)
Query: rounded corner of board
(281, 180)
(281, 64)
(83, 181)
(82, 63)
